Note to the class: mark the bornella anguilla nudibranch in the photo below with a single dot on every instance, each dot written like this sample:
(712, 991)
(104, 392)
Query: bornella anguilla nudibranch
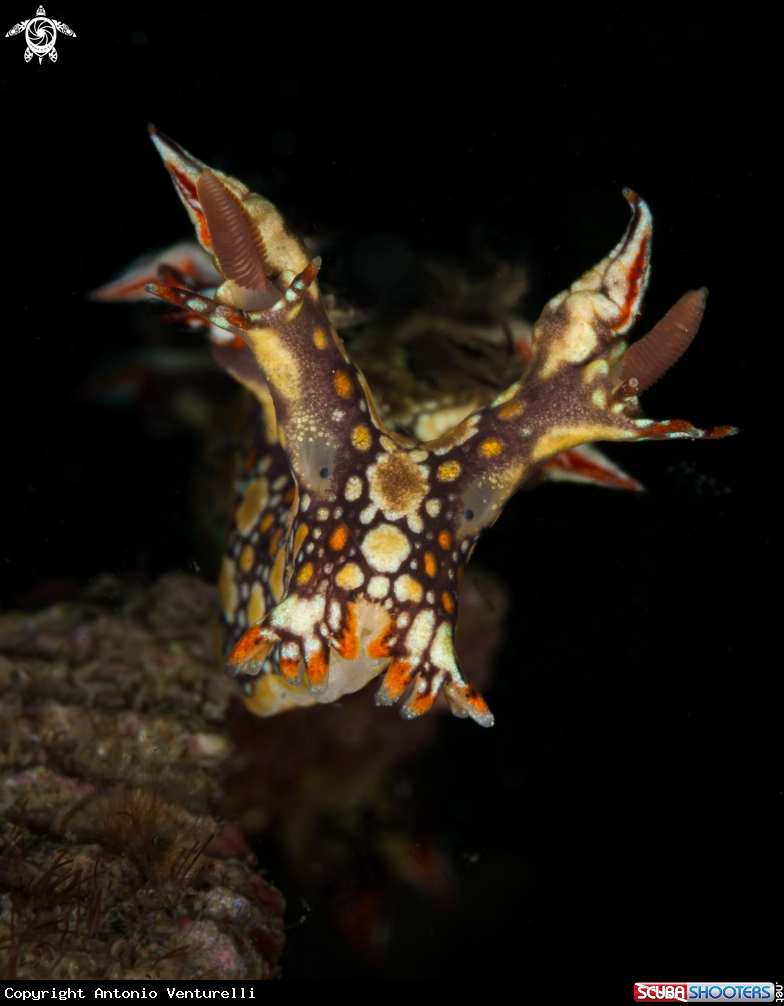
(348, 538)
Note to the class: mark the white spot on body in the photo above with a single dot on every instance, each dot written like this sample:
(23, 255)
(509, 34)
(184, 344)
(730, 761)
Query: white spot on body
(353, 488)
(420, 632)
(598, 368)
(599, 398)
(290, 651)
(378, 587)
(350, 576)
(299, 614)
(408, 589)
(386, 548)
(367, 515)
(442, 652)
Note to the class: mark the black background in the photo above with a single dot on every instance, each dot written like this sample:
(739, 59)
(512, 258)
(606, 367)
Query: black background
(623, 808)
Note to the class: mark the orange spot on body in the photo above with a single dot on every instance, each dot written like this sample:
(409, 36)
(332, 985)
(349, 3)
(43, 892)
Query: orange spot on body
(379, 647)
(317, 668)
(250, 460)
(348, 640)
(246, 559)
(510, 410)
(305, 573)
(319, 339)
(475, 700)
(343, 384)
(275, 541)
(266, 523)
(301, 535)
(430, 564)
(289, 668)
(276, 576)
(420, 703)
(252, 645)
(445, 539)
(360, 437)
(397, 679)
(253, 505)
(256, 604)
(448, 601)
(227, 589)
(338, 538)
(490, 448)
(448, 471)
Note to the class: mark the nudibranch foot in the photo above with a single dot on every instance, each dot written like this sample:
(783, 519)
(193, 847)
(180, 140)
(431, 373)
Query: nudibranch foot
(349, 564)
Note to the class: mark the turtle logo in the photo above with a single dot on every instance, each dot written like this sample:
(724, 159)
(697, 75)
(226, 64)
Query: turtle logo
(40, 32)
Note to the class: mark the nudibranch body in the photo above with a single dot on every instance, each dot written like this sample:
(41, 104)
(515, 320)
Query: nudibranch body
(349, 539)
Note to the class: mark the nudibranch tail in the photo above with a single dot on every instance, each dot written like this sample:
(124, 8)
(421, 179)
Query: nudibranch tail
(347, 558)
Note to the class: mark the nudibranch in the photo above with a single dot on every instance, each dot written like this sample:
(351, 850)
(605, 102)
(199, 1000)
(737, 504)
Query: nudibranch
(349, 539)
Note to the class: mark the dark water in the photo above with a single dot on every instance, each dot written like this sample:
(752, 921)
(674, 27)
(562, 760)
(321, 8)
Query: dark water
(622, 809)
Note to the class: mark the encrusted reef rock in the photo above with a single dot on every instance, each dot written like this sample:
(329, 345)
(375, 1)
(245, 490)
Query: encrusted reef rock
(112, 863)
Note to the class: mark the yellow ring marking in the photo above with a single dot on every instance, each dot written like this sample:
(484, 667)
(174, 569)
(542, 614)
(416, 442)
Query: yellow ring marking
(343, 384)
(305, 573)
(360, 437)
(448, 471)
(491, 448)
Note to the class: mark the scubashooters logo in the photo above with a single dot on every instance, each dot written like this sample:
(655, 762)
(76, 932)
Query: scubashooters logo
(40, 33)
(706, 992)
(136, 992)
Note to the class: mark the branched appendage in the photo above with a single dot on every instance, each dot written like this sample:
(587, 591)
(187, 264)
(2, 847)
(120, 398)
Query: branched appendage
(371, 556)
